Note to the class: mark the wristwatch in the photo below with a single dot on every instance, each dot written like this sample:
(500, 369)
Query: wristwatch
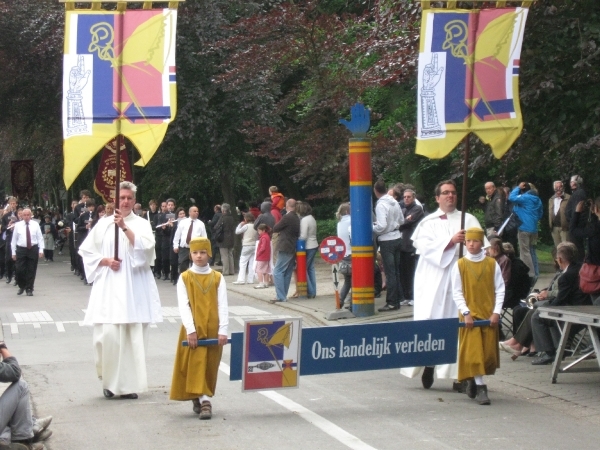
(124, 229)
(466, 313)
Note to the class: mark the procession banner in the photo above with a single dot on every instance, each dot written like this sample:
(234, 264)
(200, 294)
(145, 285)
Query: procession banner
(271, 354)
(21, 177)
(469, 78)
(347, 348)
(104, 183)
(118, 78)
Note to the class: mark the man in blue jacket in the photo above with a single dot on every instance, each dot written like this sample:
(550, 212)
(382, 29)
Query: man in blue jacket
(528, 207)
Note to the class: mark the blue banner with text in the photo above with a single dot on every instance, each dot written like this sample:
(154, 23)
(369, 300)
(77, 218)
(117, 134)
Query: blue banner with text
(355, 348)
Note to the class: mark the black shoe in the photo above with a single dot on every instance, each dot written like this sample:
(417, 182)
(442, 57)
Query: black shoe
(8, 280)
(21, 290)
(427, 377)
(15, 283)
(472, 389)
(29, 293)
(174, 282)
(388, 307)
(129, 396)
(107, 393)
(482, 397)
(72, 269)
(459, 386)
(543, 360)
(165, 278)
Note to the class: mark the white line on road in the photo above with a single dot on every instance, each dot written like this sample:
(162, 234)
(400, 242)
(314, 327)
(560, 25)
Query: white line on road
(60, 327)
(349, 440)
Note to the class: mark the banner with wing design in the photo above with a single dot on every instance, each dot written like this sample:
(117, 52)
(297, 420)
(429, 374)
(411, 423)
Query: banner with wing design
(469, 78)
(119, 78)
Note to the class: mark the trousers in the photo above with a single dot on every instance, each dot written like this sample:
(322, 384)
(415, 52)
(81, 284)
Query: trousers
(15, 413)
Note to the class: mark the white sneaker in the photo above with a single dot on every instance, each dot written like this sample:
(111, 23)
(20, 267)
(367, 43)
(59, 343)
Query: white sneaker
(238, 282)
(411, 303)
(260, 286)
(405, 302)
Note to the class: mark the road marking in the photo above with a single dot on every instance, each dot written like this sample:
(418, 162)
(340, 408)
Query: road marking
(34, 316)
(170, 313)
(339, 434)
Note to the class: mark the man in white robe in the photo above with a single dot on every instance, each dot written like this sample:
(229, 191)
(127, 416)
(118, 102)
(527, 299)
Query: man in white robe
(124, 297)
(438, 238)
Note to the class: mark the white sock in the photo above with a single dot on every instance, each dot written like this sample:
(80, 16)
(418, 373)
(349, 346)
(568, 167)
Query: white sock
(204, 398)
(479, 380)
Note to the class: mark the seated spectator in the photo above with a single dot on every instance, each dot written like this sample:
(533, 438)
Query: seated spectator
(545, 331)
(18, 429)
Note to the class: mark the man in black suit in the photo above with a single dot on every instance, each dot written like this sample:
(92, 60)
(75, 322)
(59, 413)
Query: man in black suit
(6, 229)
(545, 331)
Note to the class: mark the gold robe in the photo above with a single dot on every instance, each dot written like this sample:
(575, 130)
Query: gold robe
(478, 352)
(195, 372)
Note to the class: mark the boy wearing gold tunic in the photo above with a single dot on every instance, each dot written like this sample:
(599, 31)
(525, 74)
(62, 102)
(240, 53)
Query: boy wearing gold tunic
(202, 300)
(478, 291)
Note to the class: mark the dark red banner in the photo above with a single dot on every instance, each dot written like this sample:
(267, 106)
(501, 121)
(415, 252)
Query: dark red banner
(104, 184)
(21, 177)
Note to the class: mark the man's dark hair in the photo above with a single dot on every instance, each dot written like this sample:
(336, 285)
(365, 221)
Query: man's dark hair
(380, 187)
(85, 192)
(172, 200)
(438, 187)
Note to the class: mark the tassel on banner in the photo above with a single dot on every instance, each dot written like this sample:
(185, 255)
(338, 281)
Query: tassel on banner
(451, 5)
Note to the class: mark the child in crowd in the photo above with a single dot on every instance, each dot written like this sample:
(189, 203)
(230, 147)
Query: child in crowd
(202, 299)
(478, 291)
(277, 202)
(250, 235)
(263, 257)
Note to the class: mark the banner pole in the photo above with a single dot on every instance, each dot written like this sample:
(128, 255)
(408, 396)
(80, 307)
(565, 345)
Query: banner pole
(463, 207)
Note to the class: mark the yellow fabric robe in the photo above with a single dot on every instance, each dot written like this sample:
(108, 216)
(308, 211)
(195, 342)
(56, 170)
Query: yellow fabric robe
(478, 352)
(195, 371)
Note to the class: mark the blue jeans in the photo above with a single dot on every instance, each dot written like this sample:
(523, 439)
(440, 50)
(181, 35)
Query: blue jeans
(282, 274)
(311, 274)
(390, 254)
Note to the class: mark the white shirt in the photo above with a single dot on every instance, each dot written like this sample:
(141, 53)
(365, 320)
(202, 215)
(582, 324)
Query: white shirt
(183, 301)
(457, 290)
(308, 232)
(198, 230)
(19, 237)
(557, 201)
(389, 217)
(343, 232)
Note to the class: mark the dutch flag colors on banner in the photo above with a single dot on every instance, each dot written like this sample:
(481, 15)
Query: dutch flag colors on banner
(119, 78)
(469, 78)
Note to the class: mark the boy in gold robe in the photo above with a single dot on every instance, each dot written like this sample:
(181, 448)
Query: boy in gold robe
(478, 291)
(202, 300)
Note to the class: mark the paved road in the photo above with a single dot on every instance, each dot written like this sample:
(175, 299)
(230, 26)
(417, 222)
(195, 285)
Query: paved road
(362, 410)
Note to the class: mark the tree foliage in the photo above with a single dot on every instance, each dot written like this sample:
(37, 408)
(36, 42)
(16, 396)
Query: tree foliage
(263, 83)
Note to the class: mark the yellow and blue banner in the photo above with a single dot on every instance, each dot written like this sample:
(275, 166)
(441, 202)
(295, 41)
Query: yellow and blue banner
(119, 78)
(469, 78)
(271, 355)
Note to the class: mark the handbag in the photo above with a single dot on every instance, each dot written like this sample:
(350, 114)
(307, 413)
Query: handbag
(346, 265)
(589, 278)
